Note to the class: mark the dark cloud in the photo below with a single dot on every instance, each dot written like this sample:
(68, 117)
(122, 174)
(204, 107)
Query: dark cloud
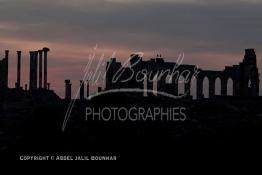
(193, 26)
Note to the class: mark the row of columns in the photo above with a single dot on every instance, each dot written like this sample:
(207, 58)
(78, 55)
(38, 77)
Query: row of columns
(212, 87)
(172, 88)
(35, 57)
(4, 71)
(18, 82)
(162, 86)
(68, 90)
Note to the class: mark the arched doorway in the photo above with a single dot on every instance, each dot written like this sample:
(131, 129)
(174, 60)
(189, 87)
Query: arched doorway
(193, 89)
(181, 85)
(145, 86)
(168, 79)
(206, 87)
(230, 87)
(218, 86)
(155, 82)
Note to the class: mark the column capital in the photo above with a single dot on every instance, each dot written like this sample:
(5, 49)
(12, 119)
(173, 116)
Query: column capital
(45, 49)
(6, 53)
(67, 81)
(40, 52)
(36, 53)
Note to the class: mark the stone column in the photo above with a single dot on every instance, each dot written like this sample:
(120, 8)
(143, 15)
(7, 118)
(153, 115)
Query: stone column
(18, 82)
(149, 86)
(224, 87)
(212, 87)
(200, 88)
(36, 68)
(5, 70)
(188, 86)
(175, 85)
(255, 87)
(161, 83)
(40, 69)
(68, 87)
(82, 90)
(45, 50)
(33, 72)
(235, 88)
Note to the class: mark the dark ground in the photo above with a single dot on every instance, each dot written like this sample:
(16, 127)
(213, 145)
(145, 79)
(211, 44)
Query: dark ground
(31, 124)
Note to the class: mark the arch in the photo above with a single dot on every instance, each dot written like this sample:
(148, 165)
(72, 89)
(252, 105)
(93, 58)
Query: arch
(193, 88)
(168, 79)
(145, 84)
(181, 85)
(218, 86)
(155, 82)
(206, 87)
(230, 84)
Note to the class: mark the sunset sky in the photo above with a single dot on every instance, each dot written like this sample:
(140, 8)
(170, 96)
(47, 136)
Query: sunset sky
(212, 34)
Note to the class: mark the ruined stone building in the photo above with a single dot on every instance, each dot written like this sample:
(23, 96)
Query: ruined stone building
(36, 72)
(36, 80)
(4, 71)
(142, 74)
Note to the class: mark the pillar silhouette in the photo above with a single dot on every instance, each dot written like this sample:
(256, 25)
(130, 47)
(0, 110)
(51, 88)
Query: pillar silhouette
(212, 86)
(45, 50)
(4, 71)
(33, 71)
(82, 90)
(68, 87)
(188, 86)
(36, 67)
(200, 88)
(18, 82)
(40, 52)
(149, 86)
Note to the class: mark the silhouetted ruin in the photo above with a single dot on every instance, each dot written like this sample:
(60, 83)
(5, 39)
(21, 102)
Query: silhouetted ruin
(4, 71)
(31, 119)
(33, 71)
(35, 81)
(68, 91)
(45, 50)
(34, 59)
(40, 52)
(18, 82)
(245, 76)
(82, 90)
